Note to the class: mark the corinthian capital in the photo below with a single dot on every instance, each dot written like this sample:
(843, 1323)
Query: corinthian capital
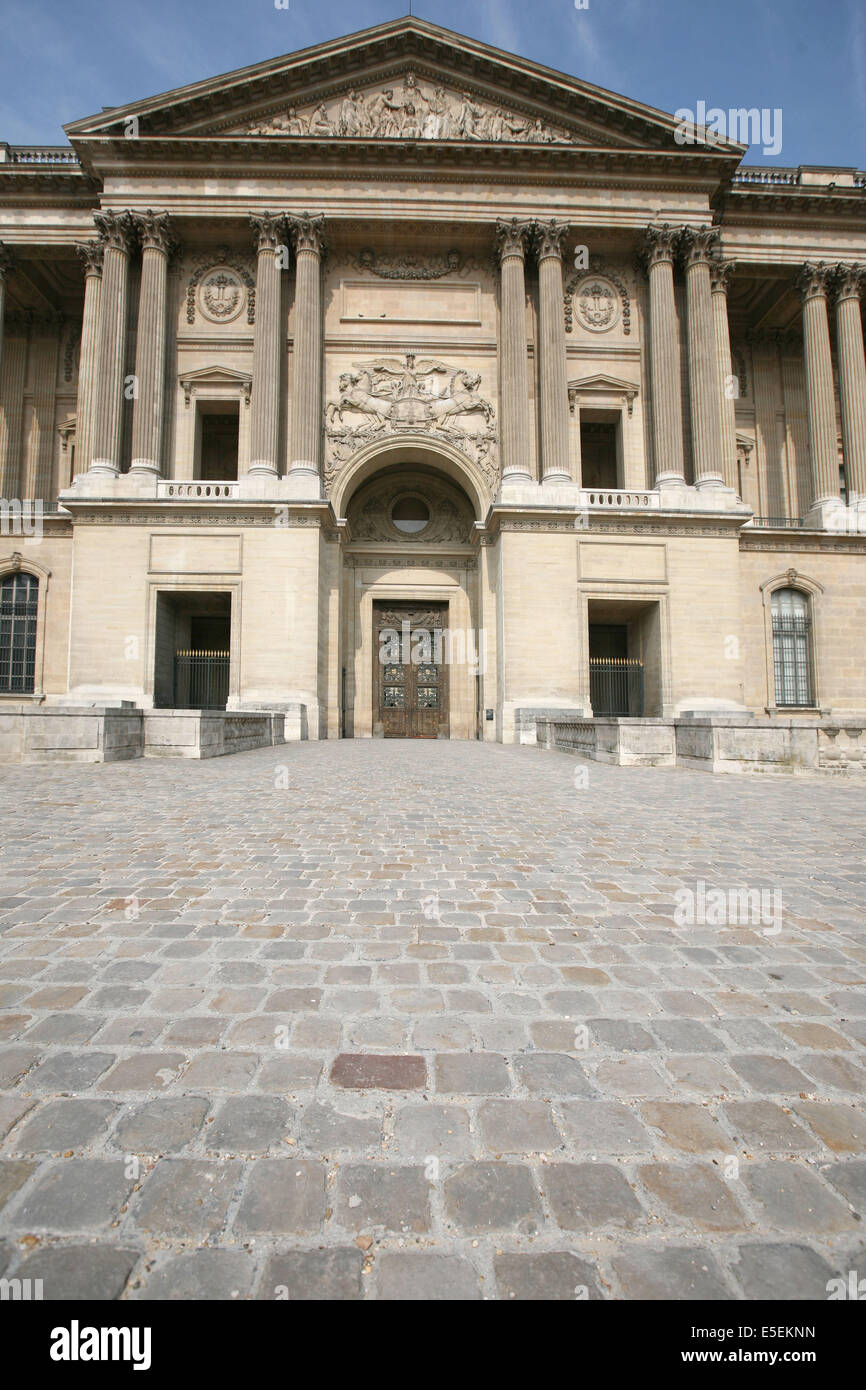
(720, 274)
(548, 237)
(91, 253)
(815, 279)
(848, 281)
(116, 229)
(308, 233)
(512, 238)
(5, 262)
(270, 230)
(698, 245)
(155, 231)
(659, 245)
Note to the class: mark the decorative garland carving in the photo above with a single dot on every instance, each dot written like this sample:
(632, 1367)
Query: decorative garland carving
(221, 261)
(597, 267)
(410, 267)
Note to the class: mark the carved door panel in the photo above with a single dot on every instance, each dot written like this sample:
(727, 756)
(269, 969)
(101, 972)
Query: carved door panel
(410, 679)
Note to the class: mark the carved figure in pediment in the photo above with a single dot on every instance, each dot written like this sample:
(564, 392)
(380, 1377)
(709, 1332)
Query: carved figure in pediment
(462, 398)
(351, 115)
(468, 118)
(321, 123)
(357, 393)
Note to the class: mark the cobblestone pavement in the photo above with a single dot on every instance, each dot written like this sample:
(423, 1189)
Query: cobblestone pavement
(418, 1020)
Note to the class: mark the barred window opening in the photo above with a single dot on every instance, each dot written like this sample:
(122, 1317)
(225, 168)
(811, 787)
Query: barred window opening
(19, 602)
(792, 648)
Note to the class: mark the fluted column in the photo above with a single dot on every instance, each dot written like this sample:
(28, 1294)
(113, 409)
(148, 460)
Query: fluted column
(552, 359)
(147, 415)
(513, 239)
(720, 272)
(265, 400)
(820, 397)
(117, 235)
(848, 284)
(308, 237)
(667, 408)
(91, 253)
(5, 267)
(699, 245)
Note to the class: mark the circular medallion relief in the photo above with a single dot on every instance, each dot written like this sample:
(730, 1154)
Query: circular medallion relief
(597, 304)
(221, 295)
(410, 514)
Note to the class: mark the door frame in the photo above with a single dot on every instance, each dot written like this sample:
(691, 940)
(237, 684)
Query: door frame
(410, 606)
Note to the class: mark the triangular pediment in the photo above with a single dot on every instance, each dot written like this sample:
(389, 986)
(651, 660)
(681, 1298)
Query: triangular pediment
(406, 80)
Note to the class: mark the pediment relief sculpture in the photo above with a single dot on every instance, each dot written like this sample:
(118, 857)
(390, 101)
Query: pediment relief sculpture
(410, 395)
(408, 111)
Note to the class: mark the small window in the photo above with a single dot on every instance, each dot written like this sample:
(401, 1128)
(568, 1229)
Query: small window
(19, 604)
(792, 648)
(410, 515)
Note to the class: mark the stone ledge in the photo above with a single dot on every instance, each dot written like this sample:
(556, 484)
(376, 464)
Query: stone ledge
(102, 734)
(715, 743)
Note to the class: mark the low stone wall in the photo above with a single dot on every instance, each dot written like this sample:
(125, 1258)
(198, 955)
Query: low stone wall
(182, 733)
(716, 743)
(98, 734)
(69, 734)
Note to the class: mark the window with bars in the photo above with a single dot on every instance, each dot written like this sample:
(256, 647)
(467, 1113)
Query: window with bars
(19, 602)
(792, 648)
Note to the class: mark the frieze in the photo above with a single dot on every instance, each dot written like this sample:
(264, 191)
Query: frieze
(410, 267)
(419, 561)
(591, 315)
(417, 113)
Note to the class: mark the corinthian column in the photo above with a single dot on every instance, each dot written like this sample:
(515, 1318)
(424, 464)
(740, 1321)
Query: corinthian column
(91, 253)
(820, 395)
(552, 360)
(5, 267)
(147, 414)
(720, 272)
(699, 245)
(116, 231)
(265, 402)
(513, 239)
(852, 374)
(667, 406)
(308, 237)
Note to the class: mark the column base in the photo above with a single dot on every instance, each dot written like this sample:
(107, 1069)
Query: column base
(556, 479)
(670, 479)
(709, 480)
(264, 467)
(304, 481)
(105, 467)
(149, 466)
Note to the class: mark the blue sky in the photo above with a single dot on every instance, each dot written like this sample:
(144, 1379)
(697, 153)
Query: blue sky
(63, 59)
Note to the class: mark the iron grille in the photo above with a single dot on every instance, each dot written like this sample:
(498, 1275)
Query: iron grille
(201, 680)
(19, 604)
(616, 686)
(791, 661)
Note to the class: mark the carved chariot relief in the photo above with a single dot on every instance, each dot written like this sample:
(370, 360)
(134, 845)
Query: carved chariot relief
(410, 395)
(408, 111)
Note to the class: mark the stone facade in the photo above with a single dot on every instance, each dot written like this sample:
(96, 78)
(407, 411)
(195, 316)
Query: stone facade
(354, 328)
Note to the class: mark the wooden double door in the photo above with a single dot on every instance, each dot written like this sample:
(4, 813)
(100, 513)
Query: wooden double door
(410, 676)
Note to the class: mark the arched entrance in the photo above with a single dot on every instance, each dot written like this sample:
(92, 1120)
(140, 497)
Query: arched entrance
(412, 645)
